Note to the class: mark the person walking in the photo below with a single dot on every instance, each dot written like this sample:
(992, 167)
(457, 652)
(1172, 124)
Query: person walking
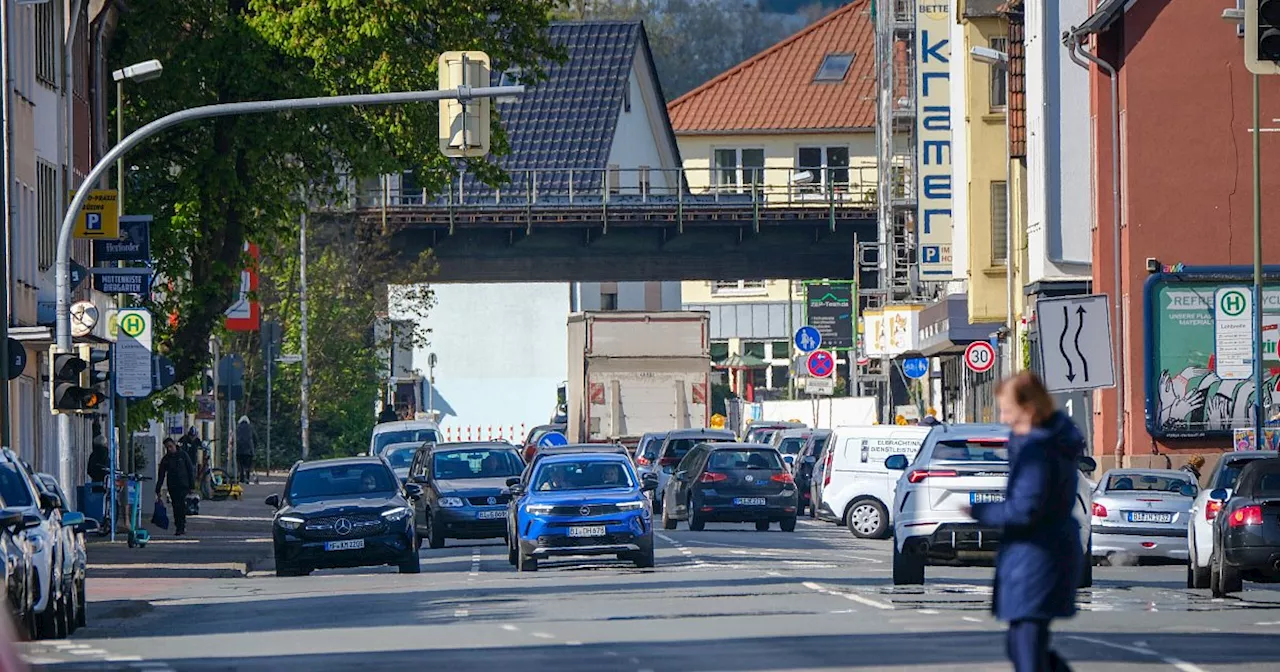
(244, 449)
(1039, 564)
(180, 474)
(1193, 466)
(191, 444)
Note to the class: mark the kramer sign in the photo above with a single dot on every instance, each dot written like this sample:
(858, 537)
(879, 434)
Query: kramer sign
(933, 133)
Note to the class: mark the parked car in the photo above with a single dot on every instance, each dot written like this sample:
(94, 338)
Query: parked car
(464, 490)
(1142, 513)
(402, 431)
(731, 483)
(345, 512)
(677, 444)
(805, 465)
(859, 489)
(530, 445)
(42, 532)
(19, 570)
(583, 504)
(762, 431)
(72, 551)
(1247, 530)
(1204, 511)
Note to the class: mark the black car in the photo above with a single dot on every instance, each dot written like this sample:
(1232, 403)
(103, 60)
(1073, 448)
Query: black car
(803, 467)
(347, 512)
(1247, 530)
(731, 483)
(464, 490)
(674, 447)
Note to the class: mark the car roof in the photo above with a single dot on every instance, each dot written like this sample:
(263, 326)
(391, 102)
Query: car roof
(583, 448)
(739, 445)
(463, 445)
(402, 425)
(402, 444)
(697, 433)
(970, 430)
(796, 432)
(574, 457)
(340, 461)
(1247, 455)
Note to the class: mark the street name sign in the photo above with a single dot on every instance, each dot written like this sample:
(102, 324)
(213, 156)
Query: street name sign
(133, 353)
(135, 281)
(1233, 333)
(1075, 343)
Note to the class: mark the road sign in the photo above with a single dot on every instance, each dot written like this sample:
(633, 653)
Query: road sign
(808, 339)
(829, 308)
(979, 356)
(17, 359)
(552, 439)
(132, 365)
(164, 373)
(122, 280)
(84, 316)
(1233, 333)
(915, 368)
(243, 315)
(823, 386)
(99, 219)
(820, 364)
(78, 274)
(134, 243)
(1075, 343)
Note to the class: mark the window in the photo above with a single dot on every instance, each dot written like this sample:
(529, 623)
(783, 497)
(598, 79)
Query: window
(719, 351)
(48, 214)
(644, 180)
(608, 300)
(753, 349)
(411, 191)
(626, 96)
(999, 223)
(48, 45)
(834, 68)
(735, 169)
(737, 287)
(781, 349)
(826, 164)
(999, 75)
(779, 377)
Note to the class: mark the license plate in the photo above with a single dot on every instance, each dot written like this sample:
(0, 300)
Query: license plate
(587, 531)
(1149, 517)
(749, 501)
(491, 515)
(986, 497)
(348, 545)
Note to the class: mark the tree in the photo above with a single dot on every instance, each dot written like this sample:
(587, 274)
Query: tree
(213, 185)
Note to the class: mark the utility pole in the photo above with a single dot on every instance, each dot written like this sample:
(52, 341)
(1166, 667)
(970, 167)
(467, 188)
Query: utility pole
(302, 304)
(1258, 378)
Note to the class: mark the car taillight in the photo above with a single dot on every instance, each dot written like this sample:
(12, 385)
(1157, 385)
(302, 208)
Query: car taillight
(643, 461)
(712, 477)
(921, 474)
(782, 478)
(1099, 510)
(826, 471)
(1211, 509)
(1247, 515)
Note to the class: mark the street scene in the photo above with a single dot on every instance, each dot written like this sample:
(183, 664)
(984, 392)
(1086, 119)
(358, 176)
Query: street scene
(640, 335)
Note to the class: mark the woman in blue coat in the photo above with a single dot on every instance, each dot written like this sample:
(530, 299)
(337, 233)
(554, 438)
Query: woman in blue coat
(1039, 564)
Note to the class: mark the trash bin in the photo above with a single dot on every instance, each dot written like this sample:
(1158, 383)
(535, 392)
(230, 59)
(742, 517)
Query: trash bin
(92, 500)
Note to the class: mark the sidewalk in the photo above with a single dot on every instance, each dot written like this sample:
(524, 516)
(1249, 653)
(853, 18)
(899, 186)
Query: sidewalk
(228, 539)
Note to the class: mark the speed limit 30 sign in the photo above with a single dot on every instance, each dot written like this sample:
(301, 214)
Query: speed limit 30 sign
(980, 357)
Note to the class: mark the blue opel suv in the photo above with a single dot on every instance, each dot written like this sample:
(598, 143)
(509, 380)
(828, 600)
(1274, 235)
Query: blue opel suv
(587, 504)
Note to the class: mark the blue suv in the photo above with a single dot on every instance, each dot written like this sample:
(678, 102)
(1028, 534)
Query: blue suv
(587, 504)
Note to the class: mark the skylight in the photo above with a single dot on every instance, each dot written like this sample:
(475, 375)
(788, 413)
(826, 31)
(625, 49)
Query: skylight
(834, 68)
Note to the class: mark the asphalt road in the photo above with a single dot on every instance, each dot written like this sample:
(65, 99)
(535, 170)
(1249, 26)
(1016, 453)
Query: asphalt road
(728, 598)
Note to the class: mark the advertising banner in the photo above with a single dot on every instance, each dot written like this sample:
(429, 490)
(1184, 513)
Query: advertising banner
(933, 138)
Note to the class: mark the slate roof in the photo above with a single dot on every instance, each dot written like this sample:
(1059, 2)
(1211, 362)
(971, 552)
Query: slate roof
(774, 90)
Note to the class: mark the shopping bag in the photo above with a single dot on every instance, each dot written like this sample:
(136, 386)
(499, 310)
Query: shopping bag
(160, 518)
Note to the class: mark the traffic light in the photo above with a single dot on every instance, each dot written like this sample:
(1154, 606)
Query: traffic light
(1262, 36)
(464, 125)
(70, 382)
(94, 379)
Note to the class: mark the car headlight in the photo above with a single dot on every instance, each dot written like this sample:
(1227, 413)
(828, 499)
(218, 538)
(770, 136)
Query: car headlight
(398, 513)
(538, 509)
(631, 506)
(451, 502)
(289, 522)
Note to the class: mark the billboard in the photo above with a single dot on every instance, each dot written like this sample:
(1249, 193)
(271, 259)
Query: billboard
(933, 138)
(829, 308)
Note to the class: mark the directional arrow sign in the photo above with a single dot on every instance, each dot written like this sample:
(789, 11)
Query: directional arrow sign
(1075, 343)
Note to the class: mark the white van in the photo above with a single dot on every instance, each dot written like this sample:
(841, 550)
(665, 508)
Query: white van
(402, 431)
(858, 488)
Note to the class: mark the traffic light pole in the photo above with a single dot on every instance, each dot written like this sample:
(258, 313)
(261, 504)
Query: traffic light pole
(1258, 379)
(62, 265)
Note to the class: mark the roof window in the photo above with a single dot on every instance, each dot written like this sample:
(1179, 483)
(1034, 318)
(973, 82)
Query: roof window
(834, 68)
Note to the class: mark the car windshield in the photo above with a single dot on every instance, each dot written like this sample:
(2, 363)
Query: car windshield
(728, 460)
(458, 464)
(13, 487)
(384, 439)
(791, 446)
(582, 475)
(1230, 473)
(676, 449)
(401, 457)
(342, 480)
(1146, 482)
(649, 448)
(972, 450)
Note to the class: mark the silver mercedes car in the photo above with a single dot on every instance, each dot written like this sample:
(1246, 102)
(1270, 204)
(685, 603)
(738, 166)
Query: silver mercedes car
(1142, 513)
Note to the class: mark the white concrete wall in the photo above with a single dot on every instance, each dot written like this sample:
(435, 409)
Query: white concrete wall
(1059, 184)
(959, 150)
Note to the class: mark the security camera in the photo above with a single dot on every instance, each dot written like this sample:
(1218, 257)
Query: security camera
(1153, 265)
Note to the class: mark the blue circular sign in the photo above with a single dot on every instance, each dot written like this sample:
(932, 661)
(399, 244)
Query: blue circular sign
(915, 367)
(553, 439)
(808, 339)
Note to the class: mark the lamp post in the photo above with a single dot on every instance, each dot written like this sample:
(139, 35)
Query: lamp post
(995, 57)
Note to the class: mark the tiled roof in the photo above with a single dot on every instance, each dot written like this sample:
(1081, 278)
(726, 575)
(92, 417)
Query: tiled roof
(775, 89)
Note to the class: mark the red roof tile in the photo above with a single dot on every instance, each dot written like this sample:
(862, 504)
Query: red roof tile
(775, 91)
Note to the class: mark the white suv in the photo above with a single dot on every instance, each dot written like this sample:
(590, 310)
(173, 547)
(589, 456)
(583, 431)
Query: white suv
(1204, 510)
(958, 466)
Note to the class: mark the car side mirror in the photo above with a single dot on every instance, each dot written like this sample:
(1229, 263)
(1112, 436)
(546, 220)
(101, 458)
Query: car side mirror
(513, 481)
(273, 501)
(72, 519)
(896, 463)
(89, 525)
(420, 479)
(516, 490)
(49, 502)
(413, 490)
(31, 520)
(11, 520)
(1087, 464)
(1219, 494)
(681, 475)
(649, 482)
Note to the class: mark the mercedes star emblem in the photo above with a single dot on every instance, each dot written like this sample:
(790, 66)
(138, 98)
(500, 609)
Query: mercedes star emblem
(342, 527)
(750, 478)
(492, 500)
(586, 510)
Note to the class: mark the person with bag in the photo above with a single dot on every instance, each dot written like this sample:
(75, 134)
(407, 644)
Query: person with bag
(244, 449)
(177, 470)
(1040, 560)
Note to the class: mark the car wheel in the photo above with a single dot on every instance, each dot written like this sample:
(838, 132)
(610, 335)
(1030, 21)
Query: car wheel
(417, 541)
(1229, 579)
(668, 523)
(867, 519)
(512, 556)
(435, 536)
(1215, 576)
(411, 564)
(527, 563)
(60, 630)
(644, 557)
(286, 570)
(657, 504)
(908, 568)
(788, 525)
(82, 617)
(1197, 577)
(69, 612)
(696, 522)
(762, 526)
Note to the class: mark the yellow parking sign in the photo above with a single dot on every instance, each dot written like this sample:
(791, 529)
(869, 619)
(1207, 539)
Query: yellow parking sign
(99, 219)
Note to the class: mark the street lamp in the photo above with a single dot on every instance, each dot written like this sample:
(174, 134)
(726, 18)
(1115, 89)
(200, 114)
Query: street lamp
(138, 72)
(993, 57)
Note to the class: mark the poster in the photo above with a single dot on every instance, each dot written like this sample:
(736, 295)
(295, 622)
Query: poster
(933, 138)
(829, 309)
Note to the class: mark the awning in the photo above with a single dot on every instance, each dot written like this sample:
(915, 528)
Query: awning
(945, 327)
(737, 361)
(35, 336)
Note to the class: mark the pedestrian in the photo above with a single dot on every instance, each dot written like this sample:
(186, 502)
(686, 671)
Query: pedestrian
(388, 414)
(1040, 561)
(191, 444)
(244, 449)
(1193, 466)
(180, 474)
(99, 464)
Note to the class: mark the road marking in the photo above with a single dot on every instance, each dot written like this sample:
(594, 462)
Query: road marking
(510, 628)
(232, 566)
(971, 619)
(251, 519)
(573, 643)
(460, 613)
(849, 596)
(475, 563)
(542, 635)
(1177, 663)
(929, 611)
(123, 659)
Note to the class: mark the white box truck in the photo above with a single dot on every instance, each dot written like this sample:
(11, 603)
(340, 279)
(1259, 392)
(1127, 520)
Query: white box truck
(637, 372)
